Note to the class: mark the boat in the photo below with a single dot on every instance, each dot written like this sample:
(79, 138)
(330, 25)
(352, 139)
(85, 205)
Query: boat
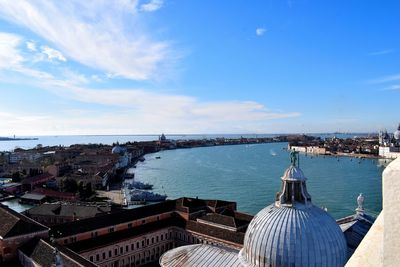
(139, 185)
(141, 159)
(158, 157)
(145, 196)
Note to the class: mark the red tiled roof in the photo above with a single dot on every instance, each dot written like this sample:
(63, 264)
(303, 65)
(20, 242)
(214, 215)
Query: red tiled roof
(38, 178)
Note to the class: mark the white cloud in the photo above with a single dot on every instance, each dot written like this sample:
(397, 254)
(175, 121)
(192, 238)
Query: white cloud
(151, 6)
(260, 31)
(31, 46)
(103, 35)
(52, 53)
(9, 53)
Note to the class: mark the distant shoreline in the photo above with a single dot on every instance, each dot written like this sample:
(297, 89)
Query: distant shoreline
(17, 139)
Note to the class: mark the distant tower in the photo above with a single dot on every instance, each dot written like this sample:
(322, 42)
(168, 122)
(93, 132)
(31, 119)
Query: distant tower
(384, 138)
(163, 138)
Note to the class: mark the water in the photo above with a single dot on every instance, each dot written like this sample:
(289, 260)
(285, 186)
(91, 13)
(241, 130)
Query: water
(67, 140)
(250, 175)
(15, 205)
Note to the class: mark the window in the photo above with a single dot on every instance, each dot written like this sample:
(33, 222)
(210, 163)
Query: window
(97, 257)
(162, 237)
(142, 243)
(126, 248)
(143, 221)
(104, 255)
(111, 230)
(109, 253)
(91, 258)
(132, 246)
(152, 240)
(157, 239)
(148, 241)
(121, 250)
(115, 252)
(129, 225)
(137, 244)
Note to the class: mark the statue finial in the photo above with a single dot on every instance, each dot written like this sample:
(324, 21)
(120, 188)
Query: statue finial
(360, 204)
(294, 157)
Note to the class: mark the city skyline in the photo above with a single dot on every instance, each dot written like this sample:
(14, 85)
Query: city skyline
(145, 67)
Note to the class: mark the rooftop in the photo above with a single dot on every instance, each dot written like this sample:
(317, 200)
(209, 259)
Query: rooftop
(64, 209)
(43, 253)
(15, 224)
(90, 224)
(112, 238)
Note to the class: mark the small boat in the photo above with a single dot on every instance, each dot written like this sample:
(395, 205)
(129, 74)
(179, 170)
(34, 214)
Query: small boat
(139, 185)
(141, 159)
(158, 157)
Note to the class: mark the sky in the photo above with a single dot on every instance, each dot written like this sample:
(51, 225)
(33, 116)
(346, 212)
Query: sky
(187, 67)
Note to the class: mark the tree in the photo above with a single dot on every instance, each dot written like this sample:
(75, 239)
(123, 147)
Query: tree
(69, 185)
(16, 177)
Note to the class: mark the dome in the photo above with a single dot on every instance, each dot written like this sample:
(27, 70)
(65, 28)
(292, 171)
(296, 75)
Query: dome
(285, 236)
(292, 231)
(117, 150)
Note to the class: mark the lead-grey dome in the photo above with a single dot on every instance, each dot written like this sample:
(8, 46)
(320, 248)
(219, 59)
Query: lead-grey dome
(292, 231)
(288, 236)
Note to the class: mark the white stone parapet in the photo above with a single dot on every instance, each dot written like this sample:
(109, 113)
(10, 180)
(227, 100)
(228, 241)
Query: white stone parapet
(381, 245)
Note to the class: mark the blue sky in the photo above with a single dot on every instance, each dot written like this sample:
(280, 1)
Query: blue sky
(151, 66)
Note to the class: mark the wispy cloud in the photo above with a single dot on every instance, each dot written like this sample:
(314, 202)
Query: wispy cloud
(386, 79)
(381, 52)
(151, 6)
(103, 35)
(392, 87)
(260, 31)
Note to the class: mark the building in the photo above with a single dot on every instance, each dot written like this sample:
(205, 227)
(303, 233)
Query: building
(140, 236)
(389, 145)
(57, 195)
(289, 232)
(32, 198)
(15, 230)
(11, 188)
(44, 253)
(37, 180)
(56, 213)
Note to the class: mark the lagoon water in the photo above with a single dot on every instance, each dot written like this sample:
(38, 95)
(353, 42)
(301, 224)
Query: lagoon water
(250, 175)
